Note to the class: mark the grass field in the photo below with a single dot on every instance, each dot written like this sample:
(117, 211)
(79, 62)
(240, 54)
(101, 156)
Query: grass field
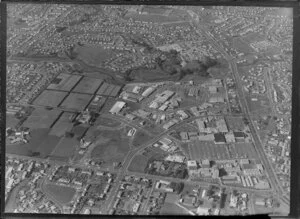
(65, 149)
(138, 164)
(92, 54)
(112, 146)
(253, 37)
(11, 121)
(245, 150)
(140, 138)
(63, 194)
(262, 103)
(235, 123)
(66, 83)
(62, 125)
(41, 144)
(41, 118)
(50, 98)
(103, 121)
(172, 209)
(88, 85)
(207, 150)
(242, 46)
(76, 102)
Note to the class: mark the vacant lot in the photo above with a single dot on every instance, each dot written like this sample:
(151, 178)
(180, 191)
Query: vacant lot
(50, 98)
(172, 209)
(140, 138)
(76, 102)
(92, 54)
(88, 85)
(65, 149)
(63, 194)
(108, 122)
(235, 123)
(41, 118)
(138, 164)
(242, 150)
(64, 82)
(242, 46)
(112, 146)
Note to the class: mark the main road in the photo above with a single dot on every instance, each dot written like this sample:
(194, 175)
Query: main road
(275, 183)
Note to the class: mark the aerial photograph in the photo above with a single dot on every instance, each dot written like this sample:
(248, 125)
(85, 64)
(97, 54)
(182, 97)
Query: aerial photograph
(148, 109)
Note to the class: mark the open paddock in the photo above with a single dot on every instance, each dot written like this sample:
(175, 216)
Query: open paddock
(64, 82)
(41, 118)
(62, 125)
(88, 85)
(50, 98)
(76, 102)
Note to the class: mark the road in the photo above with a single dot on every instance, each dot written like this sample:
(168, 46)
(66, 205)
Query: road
(275, 183)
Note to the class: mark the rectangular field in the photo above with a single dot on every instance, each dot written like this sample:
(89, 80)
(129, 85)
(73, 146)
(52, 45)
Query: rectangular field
(41, 118)
(88, 85)
(200, 150)
(62, 125)
(64, 82)
(76, 102)
(242, 150)
(65, 149)
(50, 98)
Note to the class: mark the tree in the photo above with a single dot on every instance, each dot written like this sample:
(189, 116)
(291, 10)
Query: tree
(69, 134)
(177, 187)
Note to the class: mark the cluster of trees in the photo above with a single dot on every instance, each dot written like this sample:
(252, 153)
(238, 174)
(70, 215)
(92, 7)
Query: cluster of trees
(177, 187)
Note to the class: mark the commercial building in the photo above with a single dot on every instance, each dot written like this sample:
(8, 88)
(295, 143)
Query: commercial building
(117, 107)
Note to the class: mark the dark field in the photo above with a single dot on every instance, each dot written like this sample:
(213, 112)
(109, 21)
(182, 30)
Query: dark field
(66, 83)
(41, 118)
(65, 149)
(76, 102)
(50, 98)
(62, 125)
(112, 146)
(92, 54)
(41, 144)
(88, 85)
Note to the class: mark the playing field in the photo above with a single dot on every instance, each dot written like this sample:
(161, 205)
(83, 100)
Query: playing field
(62, 125)
(76, 102)
(62, 194)
(88, 85)
(50, 98)
(64, 82)
(41, 118)
(138, 164)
